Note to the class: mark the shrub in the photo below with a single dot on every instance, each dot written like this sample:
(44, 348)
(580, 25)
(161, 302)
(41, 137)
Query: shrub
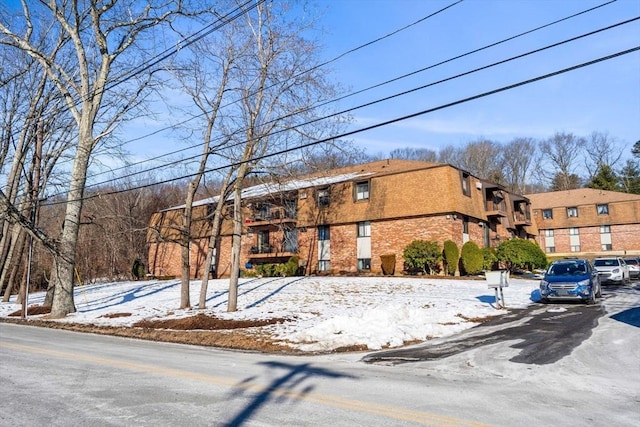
(488, 258)
(388, 264)
(423, 256)
(451, 256)
(472, 258)
(521, 254)
(289, 268)
(137, 269)
(266, 270)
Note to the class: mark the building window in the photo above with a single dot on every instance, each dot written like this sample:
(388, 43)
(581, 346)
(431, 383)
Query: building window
(324, 265)
(362, 190)
(364, 264)
(602, 209)
(364, 229)
(574, 231)
(605, 229)
(551, 249)
(324, 233)
(572, 212)
(607, 247)
(465, 224)
(290, 239)
(465, 178)
(323, 197)
(548, 233)
(575, 248)
(547, 213)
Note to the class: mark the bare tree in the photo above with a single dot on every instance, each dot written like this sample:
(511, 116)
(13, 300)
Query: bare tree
(277, 81)
(601, 150)
(408, 153)
(204, 77)
(518, 156)
(96, 50)
(34, 141)
(558, 159)
(483, 158)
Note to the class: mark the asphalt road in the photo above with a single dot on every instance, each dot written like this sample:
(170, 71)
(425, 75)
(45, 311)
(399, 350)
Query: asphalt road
(556, 364)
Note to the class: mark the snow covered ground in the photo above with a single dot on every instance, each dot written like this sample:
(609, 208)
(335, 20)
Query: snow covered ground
(323, 313)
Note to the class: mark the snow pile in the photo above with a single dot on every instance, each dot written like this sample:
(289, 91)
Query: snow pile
(325, 313)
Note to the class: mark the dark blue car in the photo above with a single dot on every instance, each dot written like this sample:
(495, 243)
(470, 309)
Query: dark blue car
(571, 279)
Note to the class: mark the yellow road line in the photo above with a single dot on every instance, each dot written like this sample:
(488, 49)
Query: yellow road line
(388, 411)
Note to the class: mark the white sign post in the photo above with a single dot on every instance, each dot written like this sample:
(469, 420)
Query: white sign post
(497, 280)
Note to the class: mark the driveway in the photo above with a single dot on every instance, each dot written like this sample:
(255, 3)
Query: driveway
(542, 334)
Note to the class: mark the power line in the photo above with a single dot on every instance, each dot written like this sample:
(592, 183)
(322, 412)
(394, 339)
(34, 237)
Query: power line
(396, 95)
(380, 124)
(184, 42)
(341, 97)
(323, 64)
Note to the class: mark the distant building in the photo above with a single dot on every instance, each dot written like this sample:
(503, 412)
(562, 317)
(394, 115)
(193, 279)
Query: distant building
(344, 220)
(587, 222)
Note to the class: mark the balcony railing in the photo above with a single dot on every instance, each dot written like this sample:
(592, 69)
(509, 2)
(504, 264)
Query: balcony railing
(270, 250)
(522, 218)
(274, 214)
(496, 209)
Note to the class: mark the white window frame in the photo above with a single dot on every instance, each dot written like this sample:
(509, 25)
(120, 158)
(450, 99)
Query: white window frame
(362, 190)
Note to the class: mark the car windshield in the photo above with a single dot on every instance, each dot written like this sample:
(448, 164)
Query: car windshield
(567, 269)
(632, 261)
(605, 262)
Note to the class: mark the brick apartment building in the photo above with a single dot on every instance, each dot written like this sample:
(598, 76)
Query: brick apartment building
(344, 220)
(587, 222)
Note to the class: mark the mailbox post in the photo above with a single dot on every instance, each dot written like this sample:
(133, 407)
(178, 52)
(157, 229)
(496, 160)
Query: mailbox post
(497, 280)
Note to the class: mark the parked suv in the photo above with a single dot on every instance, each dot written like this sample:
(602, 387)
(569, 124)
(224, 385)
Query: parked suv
(634, 267)
(612, 269)
(571, 279)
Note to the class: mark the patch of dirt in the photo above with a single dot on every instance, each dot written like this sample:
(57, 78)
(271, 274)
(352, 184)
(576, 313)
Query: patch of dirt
(201, 329)
(202, 321)
(33, 310)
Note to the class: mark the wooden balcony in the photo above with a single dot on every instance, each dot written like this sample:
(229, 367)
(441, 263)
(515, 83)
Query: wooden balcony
(495, 209)
(521, 219)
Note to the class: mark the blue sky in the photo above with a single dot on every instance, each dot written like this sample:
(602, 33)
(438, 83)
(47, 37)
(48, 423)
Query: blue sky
(604, 97)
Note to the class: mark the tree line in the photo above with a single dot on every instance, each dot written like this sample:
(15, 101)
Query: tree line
(563, 161)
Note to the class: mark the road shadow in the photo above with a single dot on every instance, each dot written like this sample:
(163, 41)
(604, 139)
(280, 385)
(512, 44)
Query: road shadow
(292, 383)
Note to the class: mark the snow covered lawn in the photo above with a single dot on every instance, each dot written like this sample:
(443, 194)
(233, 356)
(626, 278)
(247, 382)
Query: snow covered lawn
(322, 313)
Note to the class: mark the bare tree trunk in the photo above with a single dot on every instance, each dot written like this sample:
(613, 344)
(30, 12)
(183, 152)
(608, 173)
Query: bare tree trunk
(8, 272)
(213, 241)
(65, 263)
(236, 246)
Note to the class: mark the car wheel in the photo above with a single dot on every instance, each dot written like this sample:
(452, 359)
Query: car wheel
(592, 297)
(599, 293)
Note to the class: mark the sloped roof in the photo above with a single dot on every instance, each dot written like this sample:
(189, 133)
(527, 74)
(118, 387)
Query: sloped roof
(377, 168)
(577, 197)
(267, 188)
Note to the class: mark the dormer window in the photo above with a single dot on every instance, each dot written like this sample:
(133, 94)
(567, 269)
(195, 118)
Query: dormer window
(465, 178)
(603, 209)
(324, 197)
(572, 212)
(362, 190)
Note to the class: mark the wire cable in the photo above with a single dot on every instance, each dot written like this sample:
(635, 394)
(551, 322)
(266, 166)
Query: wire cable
(344, 96)
(375, 126)
(396, 95)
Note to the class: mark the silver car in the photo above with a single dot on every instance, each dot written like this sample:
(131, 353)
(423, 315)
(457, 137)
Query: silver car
(612, 269)
(634, 267)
